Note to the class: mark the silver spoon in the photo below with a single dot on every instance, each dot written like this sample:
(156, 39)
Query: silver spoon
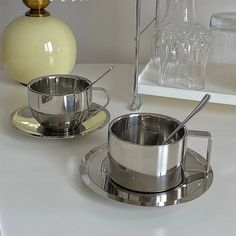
(105, 73)
(199, 107)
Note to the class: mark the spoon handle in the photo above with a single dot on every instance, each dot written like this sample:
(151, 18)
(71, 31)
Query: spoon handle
(110, 69)
(198, 108)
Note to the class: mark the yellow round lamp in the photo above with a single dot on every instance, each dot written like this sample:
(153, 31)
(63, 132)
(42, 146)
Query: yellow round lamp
(37, 44)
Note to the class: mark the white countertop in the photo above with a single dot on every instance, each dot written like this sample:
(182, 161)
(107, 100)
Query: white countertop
(42, 194)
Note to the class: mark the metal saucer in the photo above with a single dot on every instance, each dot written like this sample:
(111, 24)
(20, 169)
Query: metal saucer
(23, 120)
(94, 171)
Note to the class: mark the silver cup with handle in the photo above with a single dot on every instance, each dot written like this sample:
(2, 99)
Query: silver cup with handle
(139, 161)
(60, 103)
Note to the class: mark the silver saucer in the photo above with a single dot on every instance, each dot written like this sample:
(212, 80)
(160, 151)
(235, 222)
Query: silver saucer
(94, 171)
(23, 120)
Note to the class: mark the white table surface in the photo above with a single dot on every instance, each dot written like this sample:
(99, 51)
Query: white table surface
(41, 193)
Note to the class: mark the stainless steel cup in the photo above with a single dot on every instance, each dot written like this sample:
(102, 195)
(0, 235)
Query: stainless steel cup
(61, 103)
(138, 161)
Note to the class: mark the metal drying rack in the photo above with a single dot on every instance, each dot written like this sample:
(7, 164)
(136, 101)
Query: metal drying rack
(137, 98)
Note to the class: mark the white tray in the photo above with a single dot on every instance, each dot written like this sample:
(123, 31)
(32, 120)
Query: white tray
(221, 85)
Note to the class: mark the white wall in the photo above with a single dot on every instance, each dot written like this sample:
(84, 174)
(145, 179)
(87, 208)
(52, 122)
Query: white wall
(105, 28)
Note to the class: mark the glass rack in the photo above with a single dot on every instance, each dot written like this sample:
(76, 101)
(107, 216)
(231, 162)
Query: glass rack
(221, 84)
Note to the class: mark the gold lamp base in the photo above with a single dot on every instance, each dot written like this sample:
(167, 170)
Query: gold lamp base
(37, 8)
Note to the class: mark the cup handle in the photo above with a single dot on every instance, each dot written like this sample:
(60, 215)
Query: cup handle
(106, 93)
(203, 134)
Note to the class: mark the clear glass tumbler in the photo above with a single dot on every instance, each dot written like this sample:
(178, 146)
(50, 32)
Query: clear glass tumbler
(223, 30)
(222, 56)
(181, 47)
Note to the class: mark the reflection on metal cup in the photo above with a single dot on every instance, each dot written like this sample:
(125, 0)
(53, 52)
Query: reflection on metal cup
(60, 103)
(138, 161)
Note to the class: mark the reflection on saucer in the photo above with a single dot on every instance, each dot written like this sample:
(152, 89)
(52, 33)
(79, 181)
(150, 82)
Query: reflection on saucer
(95, 168)
(23, 120)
